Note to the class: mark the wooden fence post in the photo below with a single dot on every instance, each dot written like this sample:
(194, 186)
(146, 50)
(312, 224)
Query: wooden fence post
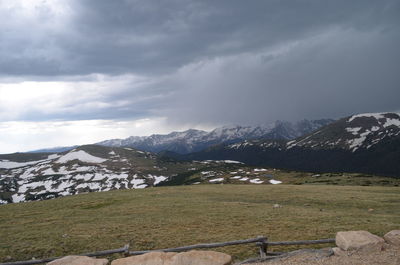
(126, 252)
(263, 246)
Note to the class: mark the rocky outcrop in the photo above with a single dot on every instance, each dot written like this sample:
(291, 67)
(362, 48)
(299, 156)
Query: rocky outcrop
(183, 258)
(78, 260)
(393, 237)
(358, 240)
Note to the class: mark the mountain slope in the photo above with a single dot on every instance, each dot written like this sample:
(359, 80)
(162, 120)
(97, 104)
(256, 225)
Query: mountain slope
(83, 169)
(196, 140)
(91, 168)
(367, 143)
(360, 131)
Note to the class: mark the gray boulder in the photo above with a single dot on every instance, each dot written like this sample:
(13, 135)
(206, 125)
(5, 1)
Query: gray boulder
(359, 240)
(393, 237)
(183, 258)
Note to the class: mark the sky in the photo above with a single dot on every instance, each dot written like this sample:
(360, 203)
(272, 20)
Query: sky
(82, 71)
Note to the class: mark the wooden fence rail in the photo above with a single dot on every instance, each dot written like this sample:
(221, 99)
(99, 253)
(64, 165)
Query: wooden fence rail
(210, 245)
(125, 249)
(261, 241)
(302, 242)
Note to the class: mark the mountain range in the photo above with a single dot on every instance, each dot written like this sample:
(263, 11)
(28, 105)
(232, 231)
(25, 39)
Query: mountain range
(196, 140)
(367, 143)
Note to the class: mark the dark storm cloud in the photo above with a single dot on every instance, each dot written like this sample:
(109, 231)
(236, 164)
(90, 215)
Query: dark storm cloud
(333, 75)
(148, 37)
(212, 61)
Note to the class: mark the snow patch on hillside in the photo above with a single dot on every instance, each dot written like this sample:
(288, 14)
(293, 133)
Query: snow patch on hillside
(10, 164)
(157, 179)
(80, 155)
(390, 122)
(232, 162)
(363, 115)
(7, 164)
(216, 180)
(357, 142)
(380, 117)
(256, 181)
(18, 197)
(354, 130)
(273, 181)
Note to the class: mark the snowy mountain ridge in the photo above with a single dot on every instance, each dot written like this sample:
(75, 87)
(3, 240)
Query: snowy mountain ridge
(361, 131)
(195, 140)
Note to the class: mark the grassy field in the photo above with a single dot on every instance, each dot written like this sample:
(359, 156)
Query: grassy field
(176, 216)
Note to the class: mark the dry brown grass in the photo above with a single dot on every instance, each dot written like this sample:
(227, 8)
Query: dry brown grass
(177, 216)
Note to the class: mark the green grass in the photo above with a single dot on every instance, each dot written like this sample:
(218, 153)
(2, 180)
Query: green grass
(176, 216)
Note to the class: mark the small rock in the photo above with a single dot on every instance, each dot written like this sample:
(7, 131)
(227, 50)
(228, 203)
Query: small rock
(78, 260)
(358, 240)
(277, 206)
(386, 246)
(393, 237)
(370, 210)
(338, 252)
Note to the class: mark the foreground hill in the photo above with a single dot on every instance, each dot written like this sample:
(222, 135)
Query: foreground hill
(164, 217)
(196, 140)
(368, 143)
(89, 168)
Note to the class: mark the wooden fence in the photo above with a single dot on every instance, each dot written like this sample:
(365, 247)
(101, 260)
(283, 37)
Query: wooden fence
(261, 242)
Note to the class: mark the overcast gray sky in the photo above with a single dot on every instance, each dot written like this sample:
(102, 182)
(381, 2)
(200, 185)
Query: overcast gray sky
(81, 71)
